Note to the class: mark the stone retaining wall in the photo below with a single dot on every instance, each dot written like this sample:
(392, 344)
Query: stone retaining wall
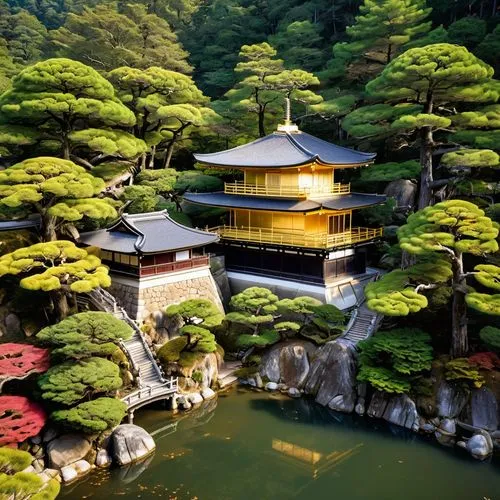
(141, 298)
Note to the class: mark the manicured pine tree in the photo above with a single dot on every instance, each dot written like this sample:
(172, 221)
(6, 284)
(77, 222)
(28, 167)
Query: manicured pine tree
(67, 103)
(59, 191)
(442, 234)
(420, 88)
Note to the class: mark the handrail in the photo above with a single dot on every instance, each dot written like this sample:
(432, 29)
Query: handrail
(297, 237)
(283, 190)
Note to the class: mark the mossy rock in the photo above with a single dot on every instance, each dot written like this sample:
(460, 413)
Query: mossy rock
(189, 359)
(171, 351)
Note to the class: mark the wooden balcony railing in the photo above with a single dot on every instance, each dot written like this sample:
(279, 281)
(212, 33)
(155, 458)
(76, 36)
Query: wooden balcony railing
(174, 266)
(285, 191)
(298, 238)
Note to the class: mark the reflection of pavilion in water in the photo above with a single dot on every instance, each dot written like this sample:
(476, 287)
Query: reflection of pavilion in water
(313, 462)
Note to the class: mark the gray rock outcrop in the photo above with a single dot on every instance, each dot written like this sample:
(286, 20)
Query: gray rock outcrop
(288, 363)
(480, 446)
(484, 409)
(399, 410)
(332, 376)
(404, 191)
(67, 449)
(130, 443)
(451, 400)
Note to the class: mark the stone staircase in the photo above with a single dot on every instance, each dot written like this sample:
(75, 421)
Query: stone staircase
(153, 385)
(362, 325)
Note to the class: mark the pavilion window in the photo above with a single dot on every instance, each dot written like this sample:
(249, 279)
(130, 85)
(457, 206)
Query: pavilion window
(339, 223)
(183, 255)
(105, 255)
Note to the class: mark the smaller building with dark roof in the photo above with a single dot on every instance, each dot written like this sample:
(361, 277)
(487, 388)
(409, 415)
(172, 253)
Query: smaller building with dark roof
(154, 261)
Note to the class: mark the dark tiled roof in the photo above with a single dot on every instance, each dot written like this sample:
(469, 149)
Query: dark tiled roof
(283, 149)
(339, 202)
(147, 233)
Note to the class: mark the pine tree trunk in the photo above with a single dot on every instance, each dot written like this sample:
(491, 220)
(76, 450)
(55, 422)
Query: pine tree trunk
(60, 302)
(262, 131)
(48, 228)
(459, 342)
(426, 177)
(169, 153)
(66, 148)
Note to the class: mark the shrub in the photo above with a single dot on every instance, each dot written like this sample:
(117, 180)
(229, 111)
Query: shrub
(193, 310)
(198, 339)
(491, 337)
(20, 419)
(70, 382)
(27, 485)
(12, 460)
(84, 335)
(390, 360)
(485, 360)
(197, 376)
(93, 416)
(18, 361)
(459, 369)
(266, 338)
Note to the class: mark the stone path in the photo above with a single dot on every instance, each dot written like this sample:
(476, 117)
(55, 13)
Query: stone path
(363, 324)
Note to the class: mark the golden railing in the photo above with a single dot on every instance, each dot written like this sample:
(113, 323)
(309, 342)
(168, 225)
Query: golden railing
(285, 191)
(296, 237)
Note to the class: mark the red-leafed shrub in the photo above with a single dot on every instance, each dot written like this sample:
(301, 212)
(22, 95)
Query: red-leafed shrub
(485, 360)
(20, 360)
(19, 419)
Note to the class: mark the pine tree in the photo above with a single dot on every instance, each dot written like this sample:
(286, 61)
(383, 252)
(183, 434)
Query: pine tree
(420, 86)
(59, 268)
(64, 101)
(442, 233)
(57, 190)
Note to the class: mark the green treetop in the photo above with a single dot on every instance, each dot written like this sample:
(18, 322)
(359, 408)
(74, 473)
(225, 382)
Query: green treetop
(166, 105)
(379, 31)
(266, 83)
(106, 38)
(72, 381)
(442, 233)
(201, 312)
(467, 31)
(58, 190)
(58, 100)
(85, 334)
(420, 87)
(25, 36)
(58, 267)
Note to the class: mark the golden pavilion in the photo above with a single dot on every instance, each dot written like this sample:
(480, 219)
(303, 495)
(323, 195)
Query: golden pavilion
(290, 220)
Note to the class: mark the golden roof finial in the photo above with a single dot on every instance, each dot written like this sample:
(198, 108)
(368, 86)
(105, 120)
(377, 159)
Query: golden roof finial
(288, 126)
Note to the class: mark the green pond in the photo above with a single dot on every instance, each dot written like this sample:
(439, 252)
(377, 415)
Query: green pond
(258, 446)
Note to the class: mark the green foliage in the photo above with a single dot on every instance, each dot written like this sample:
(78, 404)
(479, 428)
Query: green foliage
(379, 215)
(199, 339)
(197, 311)
(84, 335)
(92, 417)
(490, 336)
(197, 376)
(55, 265)
(255, 300)
(195, 181)
(386, 172)
(459, 369)
(391, 359)
(467, 31)
(72, 381)
(473, 158)
(24, 485)
(162, 181)
(140, 199)
(12, 460)
(299, 305)
(171, 351)
(107, 38)
(55, 189)
(56, 98)
(264, 339)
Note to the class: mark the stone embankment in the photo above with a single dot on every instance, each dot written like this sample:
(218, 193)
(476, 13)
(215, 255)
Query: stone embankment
(467, 418)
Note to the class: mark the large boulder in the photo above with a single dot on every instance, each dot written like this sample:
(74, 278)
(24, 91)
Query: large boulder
(404, 191)
(130, 443)
(288, 363)
(395, 409)
(451, 400)
(480, 446)
(332, 376)
(67, 449)
(484, 409)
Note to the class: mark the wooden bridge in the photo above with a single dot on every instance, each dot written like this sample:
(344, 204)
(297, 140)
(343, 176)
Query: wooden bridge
(153, 384)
